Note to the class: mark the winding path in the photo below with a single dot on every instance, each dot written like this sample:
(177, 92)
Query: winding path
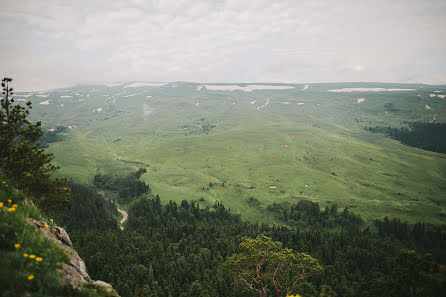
(124, 218)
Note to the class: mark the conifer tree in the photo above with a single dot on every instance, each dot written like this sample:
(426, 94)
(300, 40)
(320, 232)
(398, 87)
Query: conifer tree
(21, 159)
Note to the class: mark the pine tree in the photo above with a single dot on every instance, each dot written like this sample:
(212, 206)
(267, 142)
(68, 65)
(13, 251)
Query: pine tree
(21, 159)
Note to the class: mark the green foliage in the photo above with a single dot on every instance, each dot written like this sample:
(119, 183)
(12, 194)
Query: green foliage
(390, 107)
(128, 187)
(413, 275)
(253, 202)
(427, 136)
(244, 149)
(180, 250)
(263, 263)
(29, 261)
(22, 160)
(89, 210)
(307, 213)
(53, 136)
(15, 268)
(327, 291)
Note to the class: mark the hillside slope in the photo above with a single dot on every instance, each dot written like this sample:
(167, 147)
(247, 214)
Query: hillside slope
(37, 256)
(274, 145)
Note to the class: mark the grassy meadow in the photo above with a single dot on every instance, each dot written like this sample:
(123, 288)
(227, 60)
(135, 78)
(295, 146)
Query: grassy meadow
(272, 145)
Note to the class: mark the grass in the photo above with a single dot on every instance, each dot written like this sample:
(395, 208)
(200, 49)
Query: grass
(29, 261)
(185, 147)
(21, 245)
(336, 169)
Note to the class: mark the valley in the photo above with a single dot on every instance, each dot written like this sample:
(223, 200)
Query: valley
(275, 143)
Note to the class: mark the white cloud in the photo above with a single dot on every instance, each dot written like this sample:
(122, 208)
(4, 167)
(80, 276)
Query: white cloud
(57, 43)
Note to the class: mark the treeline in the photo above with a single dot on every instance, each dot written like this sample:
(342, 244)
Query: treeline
(307, 213)
(178, 250)
(56, 135)
(127, 187)
(88, 209)
(427, 136)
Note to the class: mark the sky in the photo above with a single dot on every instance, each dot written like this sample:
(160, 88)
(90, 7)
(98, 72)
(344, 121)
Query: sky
(49, 43)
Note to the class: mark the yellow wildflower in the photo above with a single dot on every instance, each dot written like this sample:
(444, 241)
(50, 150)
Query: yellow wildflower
(1, 204)
(9, 201)
(14, 205)
(17, 245)
(30, 277)
(3, 182)
(39, 259)
(32, 256)
(46, 225)
(25, 255)
(11, 209)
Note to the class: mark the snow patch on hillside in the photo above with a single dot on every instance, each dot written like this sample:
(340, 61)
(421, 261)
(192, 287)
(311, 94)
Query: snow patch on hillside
(248, 88)
(264, 105)
(131, 95)
(144, 84)
(349, 90)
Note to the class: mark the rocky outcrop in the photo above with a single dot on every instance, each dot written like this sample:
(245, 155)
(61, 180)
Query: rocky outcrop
(73, 273)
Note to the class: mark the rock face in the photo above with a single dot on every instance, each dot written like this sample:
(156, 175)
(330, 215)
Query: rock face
(75, 272)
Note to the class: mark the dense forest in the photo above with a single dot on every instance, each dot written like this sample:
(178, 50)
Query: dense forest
(53, 135)
(88, 209)
(186, 250)
(427, 136)
(179, 250)
(127, 188)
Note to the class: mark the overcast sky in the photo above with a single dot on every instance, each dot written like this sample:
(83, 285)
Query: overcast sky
(49, 43)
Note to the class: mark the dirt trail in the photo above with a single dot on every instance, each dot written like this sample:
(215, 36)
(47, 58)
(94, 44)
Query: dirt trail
(124, 218)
